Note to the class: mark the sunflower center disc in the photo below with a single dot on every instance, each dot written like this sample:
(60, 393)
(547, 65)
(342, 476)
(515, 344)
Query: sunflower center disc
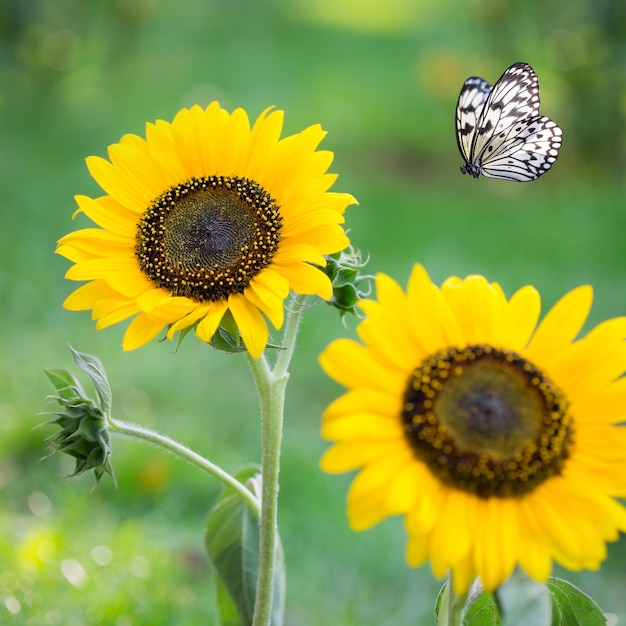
(208, 229)
(486, 421)
(208, 237)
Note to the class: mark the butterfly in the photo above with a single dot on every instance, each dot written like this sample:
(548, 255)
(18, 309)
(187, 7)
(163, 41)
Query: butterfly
(499, 130)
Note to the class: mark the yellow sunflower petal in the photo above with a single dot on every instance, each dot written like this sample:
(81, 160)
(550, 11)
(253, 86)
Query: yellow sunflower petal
(561, 324)
(191, 318)
(519, 319)
(605, 406)
(429, 506)
(208, 325)
(76, 255)
(344, 457)
(307, 280)
(404, 490)
(235, 154)
(366, 501)
(463, 573)
(286, 156)
(388, 325)
(265, 132)
(120, 273)
(476, 306)
(194, 141)
(327, 239)
(296, 253)
(493, 557)
(437, 317)
(553, 525)
(140, 331)
(450, 542)
(163, 155)
(304, 224)
(251, 324)
(112, 311)
(362, 399)
(267, 292)
(118, 187)
(418, 550)
(87, 295)
(596, 360)
(363, 425)
(352, 365)
(138, 173)
(97, 242)
(535, 559)
(110, 215)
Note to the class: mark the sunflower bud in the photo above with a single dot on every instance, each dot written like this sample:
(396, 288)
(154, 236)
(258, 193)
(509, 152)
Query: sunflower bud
(349, 286)
(84, 433)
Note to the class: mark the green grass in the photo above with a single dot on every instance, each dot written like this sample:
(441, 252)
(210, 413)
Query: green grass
(394, 150)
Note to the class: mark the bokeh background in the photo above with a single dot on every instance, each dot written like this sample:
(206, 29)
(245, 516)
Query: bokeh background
(382, 78)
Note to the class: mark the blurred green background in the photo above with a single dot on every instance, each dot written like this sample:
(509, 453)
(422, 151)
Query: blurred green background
(382, 78)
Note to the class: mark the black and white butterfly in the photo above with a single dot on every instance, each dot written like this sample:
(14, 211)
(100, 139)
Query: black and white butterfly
(499, 130)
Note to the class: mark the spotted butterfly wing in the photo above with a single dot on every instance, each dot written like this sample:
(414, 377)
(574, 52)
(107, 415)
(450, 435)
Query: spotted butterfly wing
(468, 109)
(499, 131)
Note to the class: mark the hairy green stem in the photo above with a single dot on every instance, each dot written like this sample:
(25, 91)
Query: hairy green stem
(177, 449)
(271, 385)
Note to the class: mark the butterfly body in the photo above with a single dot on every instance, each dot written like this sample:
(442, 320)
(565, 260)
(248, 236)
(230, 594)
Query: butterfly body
(500, 133)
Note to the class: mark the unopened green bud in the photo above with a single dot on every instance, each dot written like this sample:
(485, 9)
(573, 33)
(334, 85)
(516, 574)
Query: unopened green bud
(84, 432)
(349, 286)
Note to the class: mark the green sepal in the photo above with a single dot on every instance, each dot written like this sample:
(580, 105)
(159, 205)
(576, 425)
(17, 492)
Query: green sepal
(441, 603)
(232, 543)
(226, 337)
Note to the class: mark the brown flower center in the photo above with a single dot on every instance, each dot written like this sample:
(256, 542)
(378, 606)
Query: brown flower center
(208, 237)
(486, 421)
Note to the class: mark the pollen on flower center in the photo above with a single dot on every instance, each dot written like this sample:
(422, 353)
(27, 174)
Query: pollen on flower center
(208, 237)
(486, 421)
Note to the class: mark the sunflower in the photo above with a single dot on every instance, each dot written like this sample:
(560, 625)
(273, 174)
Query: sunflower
(205, 222)
(498, 440)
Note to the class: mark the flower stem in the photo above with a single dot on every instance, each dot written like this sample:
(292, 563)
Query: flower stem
(271, 385)
(177, 449)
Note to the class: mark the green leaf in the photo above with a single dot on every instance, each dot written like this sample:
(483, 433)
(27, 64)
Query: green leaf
(524, 602)
(61, 379)
(92, 366)
(232, 542)
(482, 610)
(572, 607)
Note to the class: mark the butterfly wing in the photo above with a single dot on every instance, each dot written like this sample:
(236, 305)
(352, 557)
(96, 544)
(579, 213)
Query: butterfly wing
(470, 105)
(499, 130)
(526, 152)
(514, 97)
